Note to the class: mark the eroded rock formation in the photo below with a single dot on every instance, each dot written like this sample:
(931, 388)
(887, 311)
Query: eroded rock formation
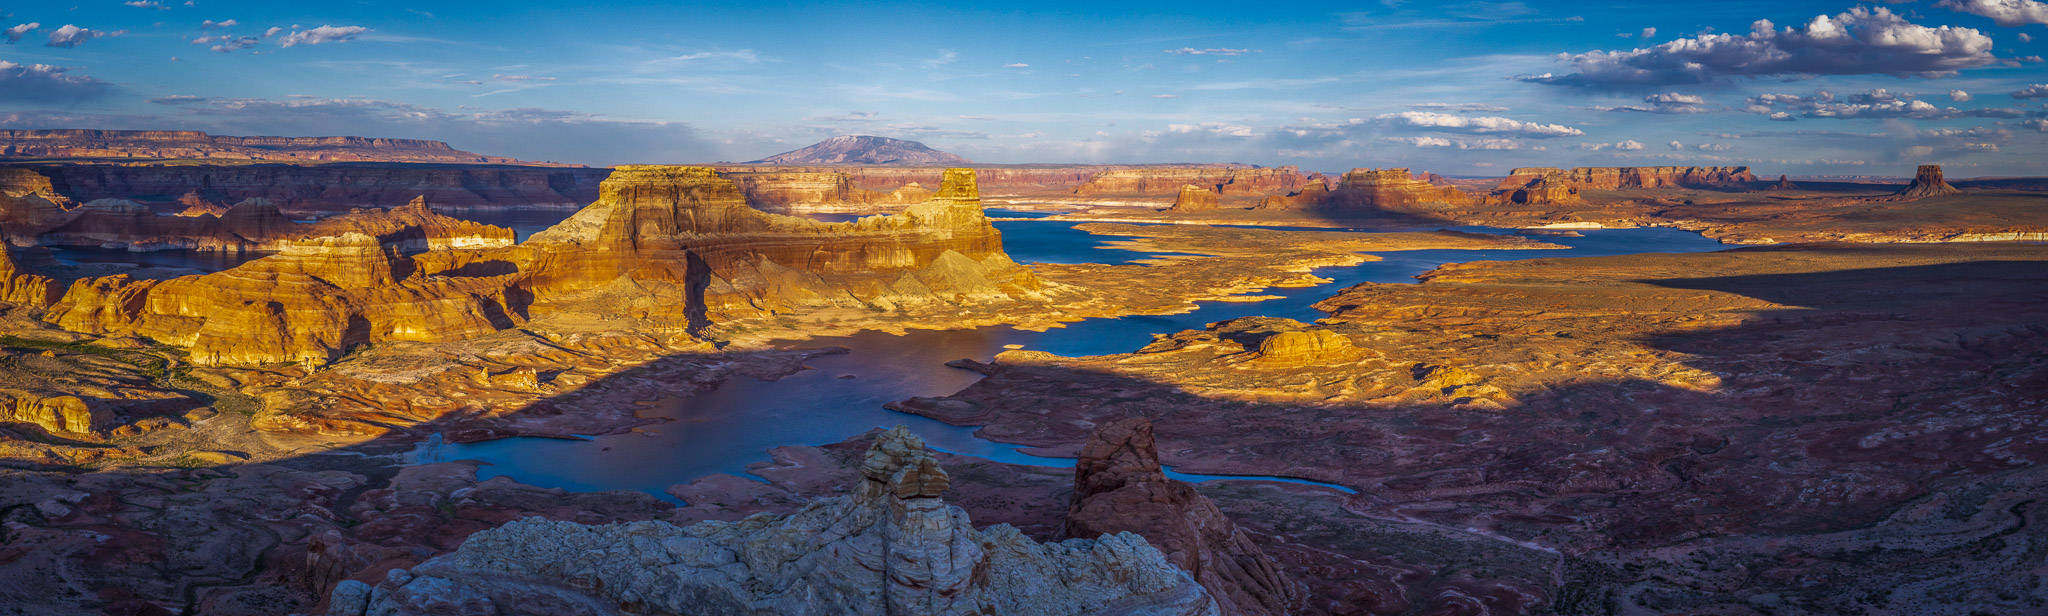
(1927, 183)
(1617, 178)
(195, 144)
(1363, 189)
(1550, 188)
(1194, 199)
(893, 546)
(20, 286)
(1119, 486)
(1784, 183)
(324, 187)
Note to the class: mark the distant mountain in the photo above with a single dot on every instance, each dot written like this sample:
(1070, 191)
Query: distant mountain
(864, 150)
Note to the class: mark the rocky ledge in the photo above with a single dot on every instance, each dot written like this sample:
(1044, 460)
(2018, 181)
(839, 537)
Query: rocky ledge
(893, 546)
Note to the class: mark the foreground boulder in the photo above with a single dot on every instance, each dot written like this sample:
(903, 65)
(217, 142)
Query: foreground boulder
(1120, 487)
(893, 546)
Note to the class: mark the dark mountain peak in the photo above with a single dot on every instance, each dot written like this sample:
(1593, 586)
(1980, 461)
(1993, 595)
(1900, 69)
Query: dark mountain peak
(864, 150)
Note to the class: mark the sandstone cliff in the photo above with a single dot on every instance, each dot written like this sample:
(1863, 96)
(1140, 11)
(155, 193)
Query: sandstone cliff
(1119, 486)
(1393, 189)
(1927, 183)
(893, 546)
(181, 144)
(24, 287)
(1194, 199)
(1550, 188)
(1169, 180)
(29, 204)
(1619, 178)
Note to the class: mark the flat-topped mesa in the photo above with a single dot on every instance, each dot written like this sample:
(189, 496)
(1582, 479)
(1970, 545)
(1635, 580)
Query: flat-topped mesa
(1169, 180)
(695, 252)
(1119, 486)
(1393, 188)
(1550, 188)
(1194, 198)
(892, 547)
(1927, 182)
(164, 144)
(1622, 178)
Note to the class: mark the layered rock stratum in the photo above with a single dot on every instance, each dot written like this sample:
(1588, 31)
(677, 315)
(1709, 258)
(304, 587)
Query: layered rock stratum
(308, 187)
(1927, 182)
(864, 150)
(185, 144)
(1194, 198)
(893, 546)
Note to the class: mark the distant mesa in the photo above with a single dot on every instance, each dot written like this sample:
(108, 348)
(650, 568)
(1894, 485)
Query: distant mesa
(864, 150)
(192, 144)
(1927, 183)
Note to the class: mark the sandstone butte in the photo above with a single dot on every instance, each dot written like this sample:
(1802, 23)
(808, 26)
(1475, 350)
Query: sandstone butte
(674, 247)
(185, 144)
(1194, 198)
(1927, 182)
(893, 546)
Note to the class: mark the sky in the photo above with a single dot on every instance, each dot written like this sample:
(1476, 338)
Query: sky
(1460, 88)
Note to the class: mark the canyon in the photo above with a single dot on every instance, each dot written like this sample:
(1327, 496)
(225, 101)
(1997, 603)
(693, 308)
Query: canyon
(1844, 418)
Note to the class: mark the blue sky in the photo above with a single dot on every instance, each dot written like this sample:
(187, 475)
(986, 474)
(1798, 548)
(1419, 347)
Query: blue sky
(1463, 88)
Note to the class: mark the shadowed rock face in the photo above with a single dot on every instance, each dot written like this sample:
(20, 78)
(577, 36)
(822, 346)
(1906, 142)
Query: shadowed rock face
(892, 546)
(23, 287)
(1927, 183)
(1363, 189)
(1614, 178)
(1119, 487)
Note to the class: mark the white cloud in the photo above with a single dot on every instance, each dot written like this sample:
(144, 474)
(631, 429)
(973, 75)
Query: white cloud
(322, 35)
(1216, 51)
(42, 83)
(146, 4)
(2038, 124)
(1166, 96)
(1858, 42)
(211, 24)
(1016, 65)
(2008, 13)
(1214, 128)
(1959, 96)
(1628, 145)
(1669, 102)
(71, 36)
(2026, 38)
(1676, 145)
(1649, 33)
(1459, 107)
(1878, 103)
(1443, 122)
(14, 34)
(2039, 90)
(946, 56)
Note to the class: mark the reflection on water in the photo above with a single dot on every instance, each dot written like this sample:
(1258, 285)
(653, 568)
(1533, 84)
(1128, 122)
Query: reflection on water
(725, 430)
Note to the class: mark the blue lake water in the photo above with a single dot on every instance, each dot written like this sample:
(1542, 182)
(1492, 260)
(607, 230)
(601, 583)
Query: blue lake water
(727, 429)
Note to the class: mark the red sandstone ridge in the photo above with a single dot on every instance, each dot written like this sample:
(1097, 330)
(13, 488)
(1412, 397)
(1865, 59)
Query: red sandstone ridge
(1616, 178)
(184, 144)
(1120, 487)
(1550, 188)
(1169, 180)
(864, 150)
(327, 187)
(1927, 183)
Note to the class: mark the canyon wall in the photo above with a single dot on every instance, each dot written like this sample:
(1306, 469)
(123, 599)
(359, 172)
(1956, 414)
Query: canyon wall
(1000, 179)
(1618, 178)
(1392, 188)
(335, 187)
(672, 248)
(186, 144)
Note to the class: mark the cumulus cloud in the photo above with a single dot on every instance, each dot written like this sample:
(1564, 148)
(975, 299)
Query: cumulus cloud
(1215, 51)
(2039, 90)
(1628, 145)
(146, 4)
(1669, 102)
(1462, 144)
(1649, 33)
(14, 34)
(1858, 42)
(2038, 124)
(1877, 103)
(2008, 13)
(1959, 96)
(211, 24)
(1214, 128)
(2026, 38)
(70, 36)
(1459, 107)
(42, 83)
(1444, 122)
(322, 35)
(227, 43)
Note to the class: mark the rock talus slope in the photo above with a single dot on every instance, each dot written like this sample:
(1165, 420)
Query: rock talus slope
(893, 546)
